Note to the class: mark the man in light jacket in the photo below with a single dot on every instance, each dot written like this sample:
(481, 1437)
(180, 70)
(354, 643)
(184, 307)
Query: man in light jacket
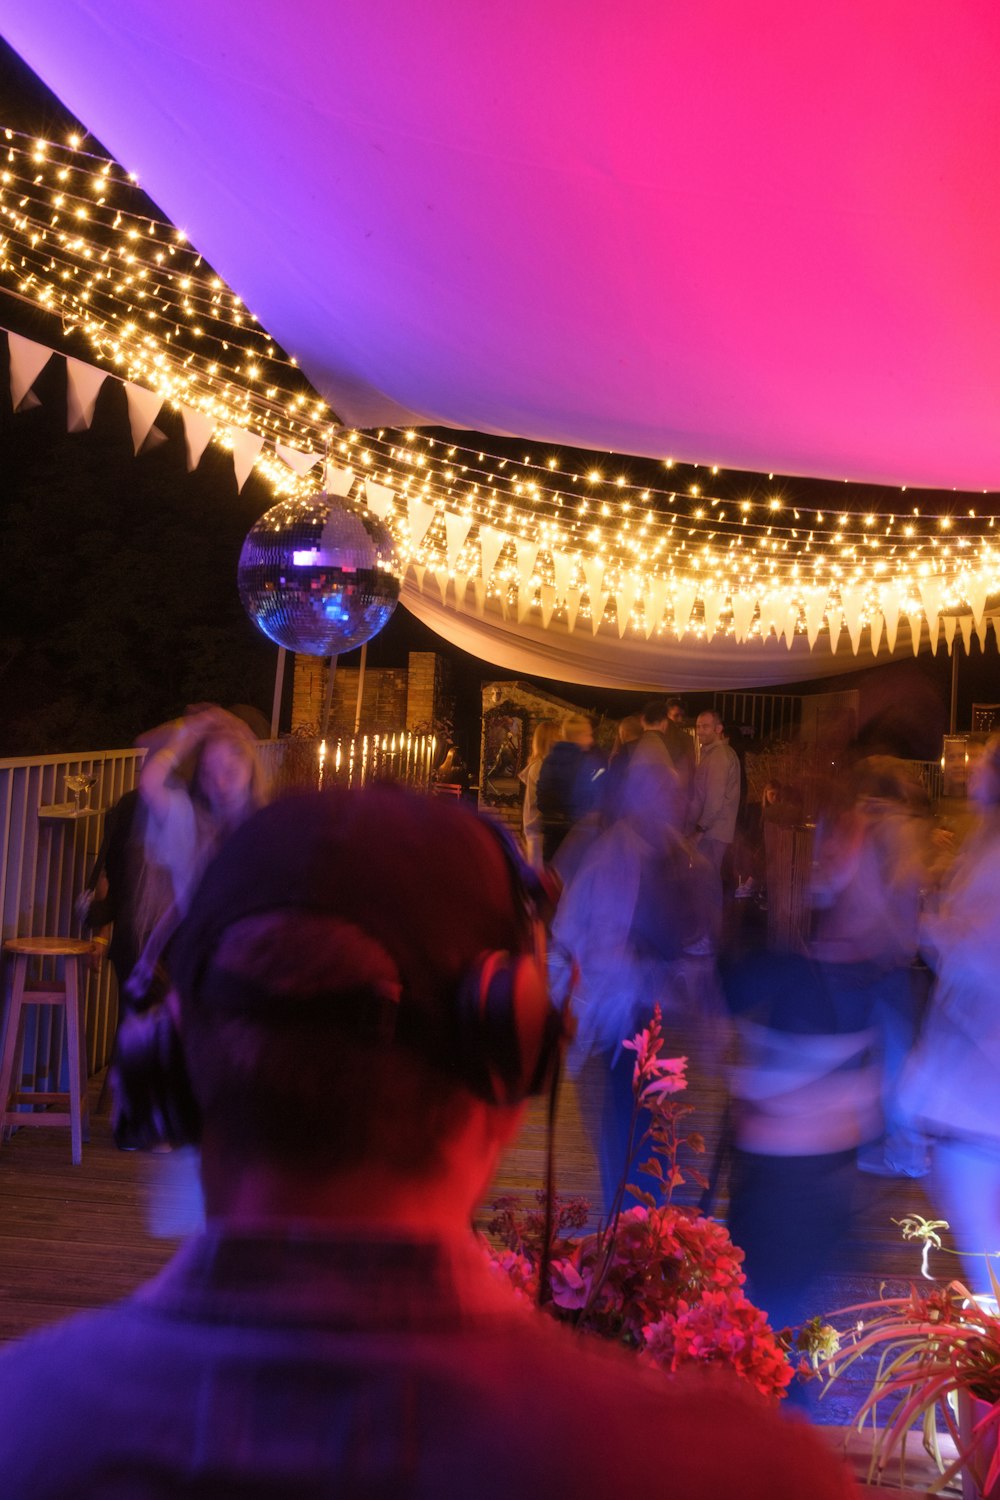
(715, 802)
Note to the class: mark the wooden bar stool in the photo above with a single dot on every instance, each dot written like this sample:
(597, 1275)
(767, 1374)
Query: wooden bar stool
(74, 1113)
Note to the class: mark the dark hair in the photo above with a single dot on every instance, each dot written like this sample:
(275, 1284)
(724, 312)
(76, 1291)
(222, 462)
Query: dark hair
(299, 1089)
(655, 710)
(675, 703)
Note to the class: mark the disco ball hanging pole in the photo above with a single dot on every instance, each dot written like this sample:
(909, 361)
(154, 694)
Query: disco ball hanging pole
(279, 686)
(328, 697)
(361, 688)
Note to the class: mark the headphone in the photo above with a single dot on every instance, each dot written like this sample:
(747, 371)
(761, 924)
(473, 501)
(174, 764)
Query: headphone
(504, 1034)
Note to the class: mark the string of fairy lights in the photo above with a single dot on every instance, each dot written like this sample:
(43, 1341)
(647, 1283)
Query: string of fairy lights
(78, 238)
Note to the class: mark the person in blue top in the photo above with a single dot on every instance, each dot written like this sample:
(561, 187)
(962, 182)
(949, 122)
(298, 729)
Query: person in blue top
(820, 1035)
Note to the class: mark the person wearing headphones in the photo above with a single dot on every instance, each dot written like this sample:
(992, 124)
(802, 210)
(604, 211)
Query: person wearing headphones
(359, 1010)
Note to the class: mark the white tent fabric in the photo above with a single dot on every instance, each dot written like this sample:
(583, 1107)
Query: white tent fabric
(605, 660)
(764, 236)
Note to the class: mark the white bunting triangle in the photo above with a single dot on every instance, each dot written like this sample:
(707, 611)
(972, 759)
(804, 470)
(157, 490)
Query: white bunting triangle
(155, 438)
(456, 529)
(949, 631)
(527, 556)
(562, 568)
(491, 545)
(479, 590)
(932, 593)
(198, 429)
(976, 590)
(298, 461)
(548, 597)
(744, 607)
(336, 481)
(982, 627)
(593, 572)
(654, 605)
(916, 626)
(246, 451)
(29, 402)
(965, 626)
(440, 577)
(597, 608)
(714, 601)
(378, 498)
(143, 409)
(835, 620)
(419, 569)
(27, 361)
(788, 625)
(852, 602)
(572, 608)
(525, 602)
(420, 516)
(814, 608)
(83, 386)
(683, 605)
(625, 601)
(461, 589)
(878, 625)
(891, 612)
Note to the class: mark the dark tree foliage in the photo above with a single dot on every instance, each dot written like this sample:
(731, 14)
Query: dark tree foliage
(118, 604)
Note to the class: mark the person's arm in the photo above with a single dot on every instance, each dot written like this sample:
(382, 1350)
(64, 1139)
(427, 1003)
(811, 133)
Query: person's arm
(159, 766)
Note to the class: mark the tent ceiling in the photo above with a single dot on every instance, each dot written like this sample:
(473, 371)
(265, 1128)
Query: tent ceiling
(761, 236)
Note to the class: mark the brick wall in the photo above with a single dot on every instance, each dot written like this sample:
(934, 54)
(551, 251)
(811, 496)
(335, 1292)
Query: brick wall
(383, 706)
(415, 697)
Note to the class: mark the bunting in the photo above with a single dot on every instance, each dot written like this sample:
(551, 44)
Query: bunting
(456, 529)
(246, 450)
(420, 516)
(143, 410)
(83, 386)
(491, 544)
(300, 462)
(378, 498)
(27, 361)
(198, 430)
(336, 481)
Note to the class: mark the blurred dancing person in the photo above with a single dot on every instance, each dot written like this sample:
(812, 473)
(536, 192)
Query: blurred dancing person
(815, 1030)
(620, 928)
(953, 1083)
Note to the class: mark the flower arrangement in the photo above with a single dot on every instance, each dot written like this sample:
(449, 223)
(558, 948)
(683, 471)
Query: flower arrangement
(660, 1278)
(939, 1366)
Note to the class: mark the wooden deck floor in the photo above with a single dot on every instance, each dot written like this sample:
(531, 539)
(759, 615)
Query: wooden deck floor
(78, 1237)
(73, 1238)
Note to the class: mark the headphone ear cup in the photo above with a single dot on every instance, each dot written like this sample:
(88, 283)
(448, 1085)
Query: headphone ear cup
(153, 1100)
(510, 1032)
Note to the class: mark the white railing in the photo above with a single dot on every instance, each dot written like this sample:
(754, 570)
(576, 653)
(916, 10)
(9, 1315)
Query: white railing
(47, 855)
(47, 851)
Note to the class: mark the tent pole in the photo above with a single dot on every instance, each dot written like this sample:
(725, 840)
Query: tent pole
(361, 687)
(953, 707)
(328, 700)
(279, 683)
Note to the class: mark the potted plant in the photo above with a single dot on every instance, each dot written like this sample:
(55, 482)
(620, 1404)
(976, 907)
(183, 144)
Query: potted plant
(938, 1368)
(658, 1277)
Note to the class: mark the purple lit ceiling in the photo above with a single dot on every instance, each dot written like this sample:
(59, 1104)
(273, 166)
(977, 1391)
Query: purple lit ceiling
(759, 235)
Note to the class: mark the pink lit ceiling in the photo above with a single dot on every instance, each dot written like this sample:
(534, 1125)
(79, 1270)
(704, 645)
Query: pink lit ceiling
(760, 235)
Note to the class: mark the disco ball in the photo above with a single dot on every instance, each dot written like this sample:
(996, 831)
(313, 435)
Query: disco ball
(319, 575)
